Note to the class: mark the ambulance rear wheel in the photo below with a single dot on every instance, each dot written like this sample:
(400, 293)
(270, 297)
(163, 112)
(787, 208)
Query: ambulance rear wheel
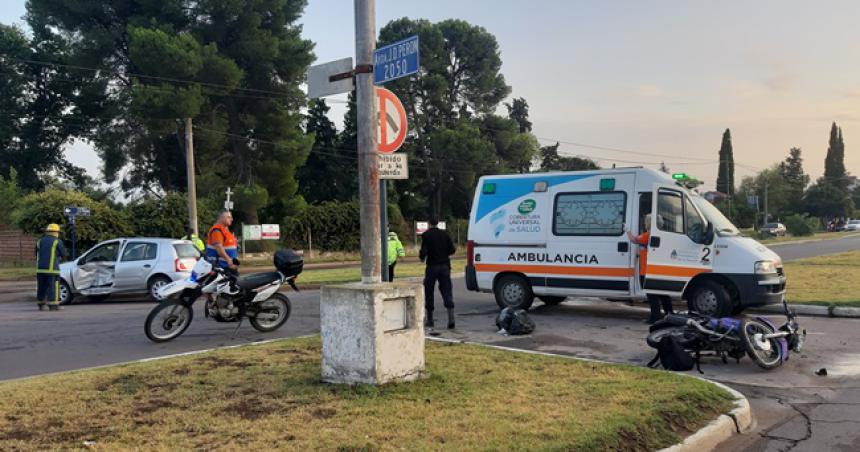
(513, 291)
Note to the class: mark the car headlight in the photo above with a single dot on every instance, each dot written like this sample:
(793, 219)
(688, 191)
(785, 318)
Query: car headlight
(765, 267)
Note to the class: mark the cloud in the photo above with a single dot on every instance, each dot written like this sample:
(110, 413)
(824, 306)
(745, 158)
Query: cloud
(650, 91)
(779, 82)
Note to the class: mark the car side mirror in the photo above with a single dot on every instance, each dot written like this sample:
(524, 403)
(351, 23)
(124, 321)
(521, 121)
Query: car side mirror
(709, 234)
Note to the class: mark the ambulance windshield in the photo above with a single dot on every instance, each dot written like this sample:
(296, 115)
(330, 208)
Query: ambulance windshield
(722, 225)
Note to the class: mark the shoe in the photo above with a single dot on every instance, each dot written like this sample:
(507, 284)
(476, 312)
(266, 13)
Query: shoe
(428, 319)
(450, 319)
(55, 308)
(42, 306)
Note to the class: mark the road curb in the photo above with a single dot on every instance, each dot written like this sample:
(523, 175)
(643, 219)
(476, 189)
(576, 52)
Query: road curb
(738, 421)
(813, 310)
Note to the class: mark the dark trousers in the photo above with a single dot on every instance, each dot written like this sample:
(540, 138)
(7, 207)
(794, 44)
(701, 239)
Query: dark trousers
(47, 288)
(391, 271)
(657, 302)
(441, 273)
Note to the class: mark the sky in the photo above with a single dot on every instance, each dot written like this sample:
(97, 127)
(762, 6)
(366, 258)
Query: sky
(656, 81)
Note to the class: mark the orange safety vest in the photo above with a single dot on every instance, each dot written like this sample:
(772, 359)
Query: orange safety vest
(228, 241)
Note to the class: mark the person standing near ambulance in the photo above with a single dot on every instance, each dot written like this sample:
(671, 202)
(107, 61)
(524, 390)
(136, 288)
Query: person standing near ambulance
(656, 301)
(436, 251)
(222, 248)
(49, 252)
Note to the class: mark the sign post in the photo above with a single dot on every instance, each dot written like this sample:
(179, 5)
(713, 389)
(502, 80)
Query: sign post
(72, 213)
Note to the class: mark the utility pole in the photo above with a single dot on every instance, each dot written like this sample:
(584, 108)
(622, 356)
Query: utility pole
(189, 172)
(765, 203)
(368, 175)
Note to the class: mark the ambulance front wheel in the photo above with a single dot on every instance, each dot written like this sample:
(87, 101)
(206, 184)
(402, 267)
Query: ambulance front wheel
(710, 298)
(513, 291)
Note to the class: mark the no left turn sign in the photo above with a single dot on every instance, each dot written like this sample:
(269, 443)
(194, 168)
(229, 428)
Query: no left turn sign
(392, 121)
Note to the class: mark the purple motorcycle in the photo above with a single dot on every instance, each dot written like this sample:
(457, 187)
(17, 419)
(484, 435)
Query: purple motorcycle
(728, 337)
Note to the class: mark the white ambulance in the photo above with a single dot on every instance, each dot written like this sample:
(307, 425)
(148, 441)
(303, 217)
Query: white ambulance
(554, 235)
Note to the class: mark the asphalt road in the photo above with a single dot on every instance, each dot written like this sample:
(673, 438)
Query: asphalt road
(790, 251)
(795, 409)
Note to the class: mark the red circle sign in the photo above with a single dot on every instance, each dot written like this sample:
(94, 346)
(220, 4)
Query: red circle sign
(392, 121)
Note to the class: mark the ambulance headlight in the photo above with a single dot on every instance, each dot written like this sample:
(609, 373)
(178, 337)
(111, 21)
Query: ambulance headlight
(765, 267)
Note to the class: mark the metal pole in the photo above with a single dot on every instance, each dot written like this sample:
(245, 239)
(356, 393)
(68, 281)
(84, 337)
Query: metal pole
(189, 172)
(72, 228)
(383, 228)
(368, 176)
(765, 204)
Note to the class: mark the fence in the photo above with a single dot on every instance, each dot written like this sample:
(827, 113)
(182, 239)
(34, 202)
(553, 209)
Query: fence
(16, 247)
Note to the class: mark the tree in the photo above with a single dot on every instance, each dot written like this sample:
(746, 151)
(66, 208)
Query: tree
(834, 162)
(43, 107)
(515, 150)
(330, 173)
(791, 171)
(9, 193)
(827, 200)
(518, 110)
(726, 173)
(550, 160)
(235, 66)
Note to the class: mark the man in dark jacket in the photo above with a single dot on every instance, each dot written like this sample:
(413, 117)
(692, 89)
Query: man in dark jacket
(49, 251)
(436, 251)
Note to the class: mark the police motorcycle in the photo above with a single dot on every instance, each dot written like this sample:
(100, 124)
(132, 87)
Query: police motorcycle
(767, 344)
(228, 298)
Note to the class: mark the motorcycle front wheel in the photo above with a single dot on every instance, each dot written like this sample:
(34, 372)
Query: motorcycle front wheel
(168, 320)
(272, 314)
(766, 353)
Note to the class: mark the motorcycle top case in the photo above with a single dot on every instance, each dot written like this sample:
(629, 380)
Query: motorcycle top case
(288, 262)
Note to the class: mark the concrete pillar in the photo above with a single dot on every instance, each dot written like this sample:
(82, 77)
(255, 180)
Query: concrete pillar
(372, 333)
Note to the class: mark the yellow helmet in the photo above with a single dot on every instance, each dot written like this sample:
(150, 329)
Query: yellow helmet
(53, 227)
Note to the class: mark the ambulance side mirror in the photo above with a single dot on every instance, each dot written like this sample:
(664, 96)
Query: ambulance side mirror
(709, 234)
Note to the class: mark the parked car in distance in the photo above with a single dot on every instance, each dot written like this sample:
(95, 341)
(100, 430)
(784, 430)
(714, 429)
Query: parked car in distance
(852, 225)
(126, 266)
(775, 229)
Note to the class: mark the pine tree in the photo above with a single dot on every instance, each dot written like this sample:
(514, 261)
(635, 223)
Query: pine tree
(791, 171)
(834, 163)
(726, 175)
(519, 112)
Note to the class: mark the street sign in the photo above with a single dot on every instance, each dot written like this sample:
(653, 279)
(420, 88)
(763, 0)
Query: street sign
(395, 60)
(422, 226)
(229, 204)
(334, 77)
(271, 232)
(77, 211)
(252, 232)
(392, 121)
(392, 166)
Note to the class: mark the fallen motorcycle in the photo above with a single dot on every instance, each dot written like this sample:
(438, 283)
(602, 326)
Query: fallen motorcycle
(228, 298)
(759, 338)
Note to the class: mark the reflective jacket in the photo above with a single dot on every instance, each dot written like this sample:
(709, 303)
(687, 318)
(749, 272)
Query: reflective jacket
(220, 233)
(49, 251)
(395, 249)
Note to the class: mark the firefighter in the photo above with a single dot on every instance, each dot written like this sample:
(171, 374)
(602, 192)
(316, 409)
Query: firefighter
(49, 252)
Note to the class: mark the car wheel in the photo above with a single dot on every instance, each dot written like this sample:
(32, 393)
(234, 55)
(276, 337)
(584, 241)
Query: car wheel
(711, 299)
(513, 291)
(66, 296)
(156, 283)
(550, 300)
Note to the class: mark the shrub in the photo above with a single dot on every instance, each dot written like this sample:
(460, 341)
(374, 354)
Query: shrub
(333, 226)
(801, 225)
(35, 211)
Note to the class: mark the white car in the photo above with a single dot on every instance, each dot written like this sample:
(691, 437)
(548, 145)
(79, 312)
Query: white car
(775, 229)
(852, 225)
(126, 265)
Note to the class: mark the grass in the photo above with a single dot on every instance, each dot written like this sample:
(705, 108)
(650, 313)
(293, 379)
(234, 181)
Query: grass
(833, 279)
(14, 272)
(269, 396)
(352, 274)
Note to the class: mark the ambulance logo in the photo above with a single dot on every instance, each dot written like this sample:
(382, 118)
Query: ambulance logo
(526, 207)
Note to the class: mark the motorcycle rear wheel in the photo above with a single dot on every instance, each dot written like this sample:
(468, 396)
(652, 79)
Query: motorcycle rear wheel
(278, 305)
(766, 353)
(167, 321)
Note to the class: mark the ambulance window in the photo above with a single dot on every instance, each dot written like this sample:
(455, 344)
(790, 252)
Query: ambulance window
(598, 213)
(695, 223)
(670, 212)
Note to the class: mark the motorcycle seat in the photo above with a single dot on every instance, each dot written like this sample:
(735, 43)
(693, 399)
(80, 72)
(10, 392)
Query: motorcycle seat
(255, 280)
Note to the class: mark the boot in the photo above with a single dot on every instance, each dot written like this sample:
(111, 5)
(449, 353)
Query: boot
(55, 307)
(42, 306)
(428, 319)
(450, 318)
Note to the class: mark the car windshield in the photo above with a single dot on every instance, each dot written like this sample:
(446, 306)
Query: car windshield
(722, 225)
(186, 250)
(772, 225)
(854, 222)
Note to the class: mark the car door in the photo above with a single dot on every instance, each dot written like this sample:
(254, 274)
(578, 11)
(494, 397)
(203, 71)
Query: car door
(94, 271)
(676, 251)
(135, 264)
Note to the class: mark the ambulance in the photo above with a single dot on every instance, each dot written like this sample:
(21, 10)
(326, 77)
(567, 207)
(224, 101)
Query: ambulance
(556, 235)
